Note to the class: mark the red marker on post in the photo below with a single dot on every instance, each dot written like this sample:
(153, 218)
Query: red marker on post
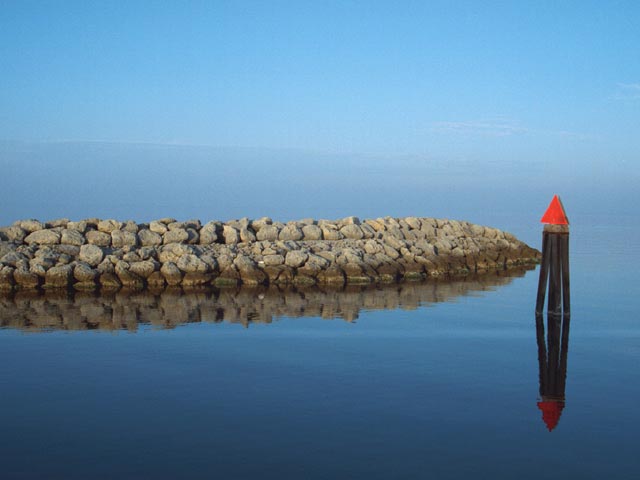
(555, 260)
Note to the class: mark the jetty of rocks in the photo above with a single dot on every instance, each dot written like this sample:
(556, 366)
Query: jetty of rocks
(110, 254)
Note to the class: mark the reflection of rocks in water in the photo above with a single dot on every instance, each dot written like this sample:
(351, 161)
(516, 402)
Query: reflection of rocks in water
(55, 310)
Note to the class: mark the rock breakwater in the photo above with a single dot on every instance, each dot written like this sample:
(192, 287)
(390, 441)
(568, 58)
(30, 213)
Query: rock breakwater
(110, 254)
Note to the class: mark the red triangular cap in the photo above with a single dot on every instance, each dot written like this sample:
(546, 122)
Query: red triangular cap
(555, 214)
(551, 411)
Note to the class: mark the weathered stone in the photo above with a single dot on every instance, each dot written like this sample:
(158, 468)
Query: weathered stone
(149, 238)
(249, 271)
(71, 237)
(32, 225)
(127, 277)
(59, 277)
(123, 238)
(58, 222)
(101, 239)
(15, 234)
(171, 273)
(173, 252)
(91, 254)
(209, 233)
(179, 235)
(296, 258)
(158, 227)
(247, 235)
(13, 258)
(80, 226)
(43, 237)
(230, 235)
(26, 279)
(330, 232)
(156, 279)
(352, 231)
(144, 268)
(109, 281)
(192, 264)
(290, 232)
(130, 226)
(83, 272)
(256, 225)
(268, 233)
(271, 260)
(6, 277)
(108, 226)
(312, 232)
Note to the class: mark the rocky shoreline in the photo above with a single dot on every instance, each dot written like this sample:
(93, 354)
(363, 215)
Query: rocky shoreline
(108, 254)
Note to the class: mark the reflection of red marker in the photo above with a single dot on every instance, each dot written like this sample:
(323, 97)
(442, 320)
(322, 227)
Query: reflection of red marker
(551, 410)
(555, 214)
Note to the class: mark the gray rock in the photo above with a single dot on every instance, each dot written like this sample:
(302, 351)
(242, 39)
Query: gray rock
(173, 252)
(296, 258)
(209, 233)
(149, 238)
(80, 226)
(290, 232)
(192, 264)
(60, 276)
(58, 222)
(330, 232)
(158, 227)
(13, 258)
(32, 225)
(43, 237)
(312, 232)
(171, 273)
(6, 277)
(271, 260)
(71, 237)
(25, 278)
(268, 233)
(15, 234)
(108, 226)
(179, 235)
(130, 226)
(352, 231)
(123, 238)
(144, 269)
(230, 234)
(91, 254)
(83, 272)
(101, 239)
(247, 235)
(257, 225)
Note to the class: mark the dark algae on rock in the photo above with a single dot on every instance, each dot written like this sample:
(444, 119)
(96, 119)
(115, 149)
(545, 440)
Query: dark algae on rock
(109, 254)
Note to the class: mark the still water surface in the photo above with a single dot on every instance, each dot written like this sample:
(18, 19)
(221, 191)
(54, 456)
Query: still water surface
(424, 381)
(415, 381)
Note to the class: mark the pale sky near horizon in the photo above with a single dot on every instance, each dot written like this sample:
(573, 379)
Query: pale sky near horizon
(480, 81)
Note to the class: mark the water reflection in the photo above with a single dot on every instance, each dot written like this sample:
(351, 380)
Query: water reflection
(552, 358)
(173, 307)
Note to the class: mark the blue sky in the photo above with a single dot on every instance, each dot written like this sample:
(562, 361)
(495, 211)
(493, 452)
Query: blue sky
(478, 79)
(459, 109)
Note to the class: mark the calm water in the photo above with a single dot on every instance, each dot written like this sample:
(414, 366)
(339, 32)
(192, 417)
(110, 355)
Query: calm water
(417, 381)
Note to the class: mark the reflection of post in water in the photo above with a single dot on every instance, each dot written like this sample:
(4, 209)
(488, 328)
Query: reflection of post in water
(552, 354)
(552, 358)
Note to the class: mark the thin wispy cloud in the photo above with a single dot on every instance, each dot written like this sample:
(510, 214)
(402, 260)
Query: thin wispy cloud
(627, 91)
(482, 128)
